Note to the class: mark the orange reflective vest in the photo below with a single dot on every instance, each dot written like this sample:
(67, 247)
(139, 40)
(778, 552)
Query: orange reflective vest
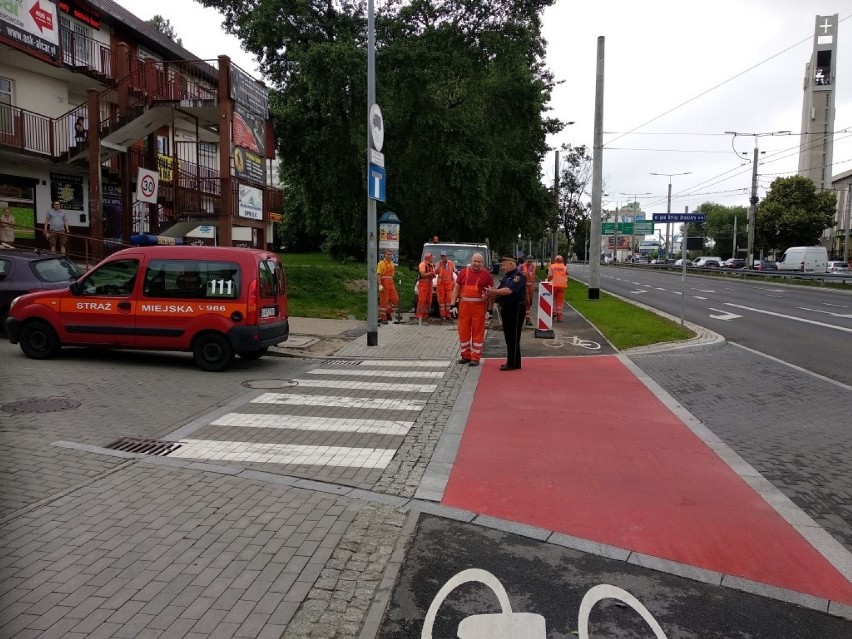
(445, 272)
(528, 271)
(558, 274)
(385, 271)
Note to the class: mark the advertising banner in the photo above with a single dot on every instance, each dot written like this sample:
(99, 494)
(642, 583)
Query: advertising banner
(251, 202)
(248, 132)
(18, 194)
(31, 24)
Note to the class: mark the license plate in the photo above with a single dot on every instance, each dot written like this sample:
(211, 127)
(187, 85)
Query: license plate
(268, 311)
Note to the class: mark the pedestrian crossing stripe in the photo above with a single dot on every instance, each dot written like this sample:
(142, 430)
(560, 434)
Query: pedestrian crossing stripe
(316, 424)
(426, 363)
(341, 402)
(284, 454)
(377, 373)
(367, 386)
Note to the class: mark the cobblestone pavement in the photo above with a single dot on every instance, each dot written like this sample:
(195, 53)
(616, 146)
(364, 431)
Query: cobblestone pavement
(255, 528)
(791, 426)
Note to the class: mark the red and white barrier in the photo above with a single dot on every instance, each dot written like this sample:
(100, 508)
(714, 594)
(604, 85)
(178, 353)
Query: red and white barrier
(544, 317)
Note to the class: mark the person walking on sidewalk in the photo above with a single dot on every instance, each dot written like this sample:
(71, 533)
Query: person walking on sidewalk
(425, 273)
(557, 274)
(510, 294)
(7, 227)
(445, 270)
(470, 305)
(527, 269)
(388, 297)
(56, 227)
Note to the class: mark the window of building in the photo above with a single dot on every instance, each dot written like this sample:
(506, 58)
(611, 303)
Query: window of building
(7, 120)
(75, 38)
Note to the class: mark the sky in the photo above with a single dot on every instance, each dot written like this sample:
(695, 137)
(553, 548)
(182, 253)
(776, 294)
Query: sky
(663, 59)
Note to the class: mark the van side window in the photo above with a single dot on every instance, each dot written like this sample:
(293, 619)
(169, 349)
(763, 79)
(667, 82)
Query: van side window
(114, 279)
(269, 278)
(192, 279)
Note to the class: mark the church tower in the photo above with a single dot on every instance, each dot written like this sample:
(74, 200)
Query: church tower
(817, 142)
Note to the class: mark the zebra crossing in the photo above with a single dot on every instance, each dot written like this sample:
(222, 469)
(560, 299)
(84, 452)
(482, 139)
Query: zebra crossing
(341, 421)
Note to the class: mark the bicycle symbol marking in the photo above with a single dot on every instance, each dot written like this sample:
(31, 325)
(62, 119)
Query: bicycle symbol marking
(584, 343)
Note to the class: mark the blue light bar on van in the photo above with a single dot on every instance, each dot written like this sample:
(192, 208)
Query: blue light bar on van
(154, 240)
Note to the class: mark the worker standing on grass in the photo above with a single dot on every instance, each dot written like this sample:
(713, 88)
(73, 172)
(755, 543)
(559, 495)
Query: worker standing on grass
(425, 273)
(445, 270)
(557, 274)
(527, 269)
(388, 297)
(469, 304)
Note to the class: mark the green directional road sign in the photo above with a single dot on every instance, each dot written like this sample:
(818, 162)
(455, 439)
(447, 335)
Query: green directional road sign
(644, 228)
(624, 228)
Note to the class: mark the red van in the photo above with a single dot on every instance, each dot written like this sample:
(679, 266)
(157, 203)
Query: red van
(212, 301)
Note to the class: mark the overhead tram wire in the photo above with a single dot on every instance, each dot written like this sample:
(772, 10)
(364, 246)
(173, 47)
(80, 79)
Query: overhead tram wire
(809, 38)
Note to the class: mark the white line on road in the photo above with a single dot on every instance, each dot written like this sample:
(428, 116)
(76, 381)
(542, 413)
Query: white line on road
(703, 290)
(791, 317)
(367, 386)
(637, 292)
(340, 402)
(816, 310)
(698, 297)
(285, 454)
(316, 424)
(389, 363)
(376, 373)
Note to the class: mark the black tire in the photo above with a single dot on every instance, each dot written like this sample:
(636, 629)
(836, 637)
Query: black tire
(39, 341)
(212, 352)
(252, 355)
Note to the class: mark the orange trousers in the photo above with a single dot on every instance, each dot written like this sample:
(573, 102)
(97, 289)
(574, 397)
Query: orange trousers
(471, 329)
(388, 300)
(445, 294)
(559, 301)
(530, 295)
(424, 297)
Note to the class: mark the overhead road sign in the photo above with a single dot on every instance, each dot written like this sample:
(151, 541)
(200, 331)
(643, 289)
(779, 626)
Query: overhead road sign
(679, 217)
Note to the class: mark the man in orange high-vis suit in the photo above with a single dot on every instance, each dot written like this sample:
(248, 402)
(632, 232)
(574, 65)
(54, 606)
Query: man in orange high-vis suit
(388, 297)
(471, 306)
(557, 274)
(425, 273)
(527, 269)
(445, 270)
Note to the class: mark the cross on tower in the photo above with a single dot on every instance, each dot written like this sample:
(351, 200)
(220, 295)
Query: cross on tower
(825, 26)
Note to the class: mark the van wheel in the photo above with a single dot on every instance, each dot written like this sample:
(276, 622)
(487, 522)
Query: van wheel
(252, 355)
(39, 340)
(212, 352)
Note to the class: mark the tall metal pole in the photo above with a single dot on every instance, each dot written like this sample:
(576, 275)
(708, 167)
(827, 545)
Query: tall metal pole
(846, 224)
(556, 200)
(734, 240)
(597, 178)
(669, 247)
(372, 287)
(615, 236)
(752, 209)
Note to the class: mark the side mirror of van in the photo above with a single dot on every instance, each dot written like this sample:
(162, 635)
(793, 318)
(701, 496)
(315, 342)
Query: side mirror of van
(76, 287)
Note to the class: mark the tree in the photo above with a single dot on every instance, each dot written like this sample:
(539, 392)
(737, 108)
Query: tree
(793, 213)
(164, 26)
(718, 227)
(574, 177)
(463, 91)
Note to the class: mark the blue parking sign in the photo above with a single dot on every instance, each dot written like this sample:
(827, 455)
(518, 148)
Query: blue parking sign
(376, 182)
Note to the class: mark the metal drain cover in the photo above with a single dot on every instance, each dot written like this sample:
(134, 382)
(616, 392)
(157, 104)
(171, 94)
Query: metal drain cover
(267, 384)
(41, 405)
(144, 446)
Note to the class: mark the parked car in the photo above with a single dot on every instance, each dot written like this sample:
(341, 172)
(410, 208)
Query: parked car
(811, 259)
(23, 271)
(214, 302)
(765, 265)
(838, 266)
(734, 262)
(679, 262)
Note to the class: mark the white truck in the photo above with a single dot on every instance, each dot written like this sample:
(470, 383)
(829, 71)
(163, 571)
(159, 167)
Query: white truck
(810, 259)
(459, 253)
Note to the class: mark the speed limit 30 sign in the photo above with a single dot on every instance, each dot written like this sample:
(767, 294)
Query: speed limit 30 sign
(146, 186)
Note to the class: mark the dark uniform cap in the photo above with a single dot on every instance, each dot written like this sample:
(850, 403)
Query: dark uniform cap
(530, 258)
(509, 257)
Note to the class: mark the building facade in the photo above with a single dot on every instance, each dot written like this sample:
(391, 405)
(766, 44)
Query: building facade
(128, 130)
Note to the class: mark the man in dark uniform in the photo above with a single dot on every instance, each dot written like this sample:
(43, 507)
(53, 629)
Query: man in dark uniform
(510, 294)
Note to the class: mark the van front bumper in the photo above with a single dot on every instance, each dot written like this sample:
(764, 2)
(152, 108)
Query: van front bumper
(13, 329)
(252, 338)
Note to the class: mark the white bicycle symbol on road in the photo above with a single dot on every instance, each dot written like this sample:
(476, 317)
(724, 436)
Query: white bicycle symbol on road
(588, 344)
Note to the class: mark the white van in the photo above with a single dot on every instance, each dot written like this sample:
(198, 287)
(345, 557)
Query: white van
(812, 259)
(707, 261)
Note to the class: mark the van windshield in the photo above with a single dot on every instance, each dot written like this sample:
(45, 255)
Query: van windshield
(458, 255)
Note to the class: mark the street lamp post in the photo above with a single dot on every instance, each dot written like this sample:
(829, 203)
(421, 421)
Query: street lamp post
(633, 235)
(669, 208)
(752, 209)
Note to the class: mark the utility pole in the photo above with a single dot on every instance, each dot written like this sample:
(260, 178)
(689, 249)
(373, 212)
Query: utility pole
(846, 224)
(633, 217)
(734, 240)
(668, 247)
(597, 177)
(556, 199)
(372, 248)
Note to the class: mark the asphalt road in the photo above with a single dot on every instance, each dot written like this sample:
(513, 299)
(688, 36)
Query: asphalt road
(806, 326)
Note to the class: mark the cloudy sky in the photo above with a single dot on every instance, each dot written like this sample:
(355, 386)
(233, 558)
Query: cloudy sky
(663, 59)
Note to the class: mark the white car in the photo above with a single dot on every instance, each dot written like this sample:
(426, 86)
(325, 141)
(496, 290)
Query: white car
(837, 266)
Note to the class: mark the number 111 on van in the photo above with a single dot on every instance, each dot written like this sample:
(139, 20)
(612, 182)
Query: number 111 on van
(220, 287)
